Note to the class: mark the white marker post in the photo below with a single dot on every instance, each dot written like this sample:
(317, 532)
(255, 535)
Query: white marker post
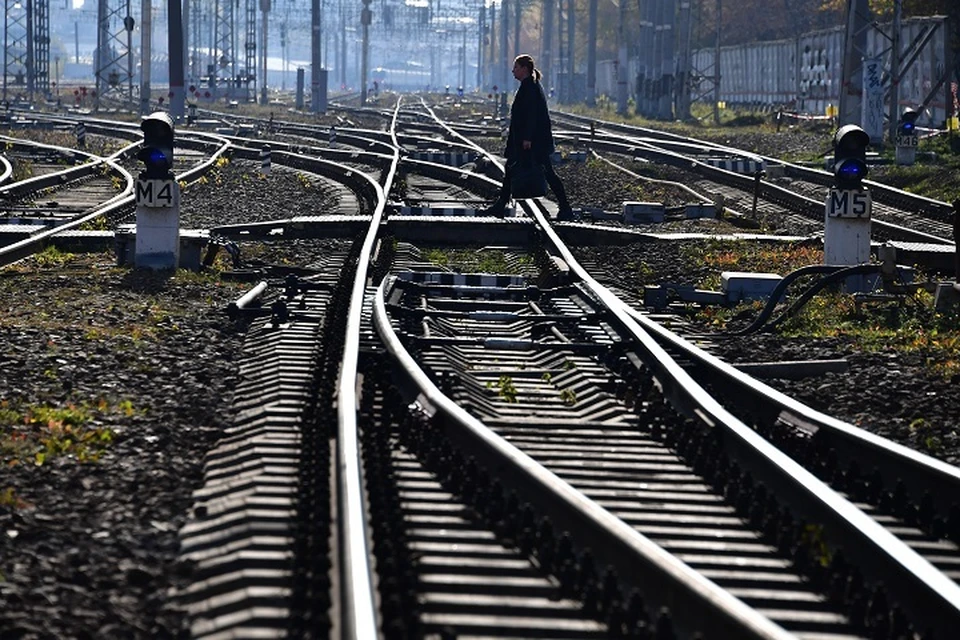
(265, 160)
(848, 207)
(907, 140)
(157, 197)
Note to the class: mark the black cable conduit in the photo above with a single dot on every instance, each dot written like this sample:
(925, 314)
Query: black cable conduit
(833, 273)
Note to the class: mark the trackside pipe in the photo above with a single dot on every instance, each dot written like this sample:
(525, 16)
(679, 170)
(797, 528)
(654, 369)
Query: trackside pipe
(246, 300)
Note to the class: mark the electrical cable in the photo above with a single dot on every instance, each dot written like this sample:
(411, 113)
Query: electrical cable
(833, 273)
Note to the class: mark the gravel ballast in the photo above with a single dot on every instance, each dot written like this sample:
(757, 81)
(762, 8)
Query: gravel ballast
(147, 363)
(88, 547)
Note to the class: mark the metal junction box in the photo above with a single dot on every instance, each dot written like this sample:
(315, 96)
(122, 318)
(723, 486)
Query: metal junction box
(742, 285)
(643, 212)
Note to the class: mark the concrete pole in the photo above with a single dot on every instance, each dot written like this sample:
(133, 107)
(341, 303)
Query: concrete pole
(517, 13)
(315, 61)
(855, 47)
(146, 42)
(103, 39)
(546, 56)
(716, 68)
(481, 27)
(894, 112)
(656, 65)
(571, 47)
(668, 44)
(646, 55)
(492, 55)
(175, 47)
(343, 48)
(504, 57)
(683, 61)
(186, 18)
(592, 55)
(622, 62)
(365, 19)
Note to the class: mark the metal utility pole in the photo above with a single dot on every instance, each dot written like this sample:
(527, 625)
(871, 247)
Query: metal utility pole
(250, 50)
(481, 36)
(894, 112)
(318, 104)
(855, 48)
(494, 31)
(16, 43)
(223, 37)
(463, 60)
(571, 48)
(265, 11)
(546, 56)
(517, 13)
(684, 20)
(716, 68)
(41, 48)
(146, 45)
(645, 69)
(114, 64)
(592, 55)
(175, 48)
(343, 47)
(191, 30)
(365, 18)
(668, 45)
(656, 75)
(622, 62)
(504, 60)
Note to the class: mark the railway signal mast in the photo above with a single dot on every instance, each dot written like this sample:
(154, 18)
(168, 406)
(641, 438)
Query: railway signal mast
(847, 223)
(906, 137)
(157, 197)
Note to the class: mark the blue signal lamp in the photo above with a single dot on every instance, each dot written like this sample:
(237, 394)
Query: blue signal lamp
(908, 121)
(157, 151)
(850, 157)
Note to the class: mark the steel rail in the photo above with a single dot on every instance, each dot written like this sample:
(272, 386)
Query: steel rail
(941, 210)
(59, 178)
(358, 181)
(809, 207)
(924, 591)
(19, 250)
(364, 156)
(6, 170)
(358, 609)
(942, 480)
(454, 175)
(663, 579)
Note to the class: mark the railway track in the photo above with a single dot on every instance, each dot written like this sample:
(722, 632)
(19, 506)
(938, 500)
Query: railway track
(525, 455)
(790, 191)
(432, 509)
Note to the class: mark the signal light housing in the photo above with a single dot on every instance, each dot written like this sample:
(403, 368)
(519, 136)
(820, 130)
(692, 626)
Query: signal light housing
(157, 151)
(908, 122)
(850, 157)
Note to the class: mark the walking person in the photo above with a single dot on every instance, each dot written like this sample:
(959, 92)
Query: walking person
(530, 133)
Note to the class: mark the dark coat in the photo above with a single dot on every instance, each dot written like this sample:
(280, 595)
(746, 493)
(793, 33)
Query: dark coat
(530, 120)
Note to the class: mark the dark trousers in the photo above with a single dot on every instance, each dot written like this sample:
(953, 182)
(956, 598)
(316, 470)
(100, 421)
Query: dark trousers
(552, 179)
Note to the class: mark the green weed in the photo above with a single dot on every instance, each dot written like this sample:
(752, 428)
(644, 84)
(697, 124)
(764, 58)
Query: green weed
(39, 433)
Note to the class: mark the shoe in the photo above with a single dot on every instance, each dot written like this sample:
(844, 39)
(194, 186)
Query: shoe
(566, 215)
(497, 210)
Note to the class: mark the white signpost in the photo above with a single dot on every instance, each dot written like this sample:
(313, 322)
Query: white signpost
(158, 223)
(846, 239)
